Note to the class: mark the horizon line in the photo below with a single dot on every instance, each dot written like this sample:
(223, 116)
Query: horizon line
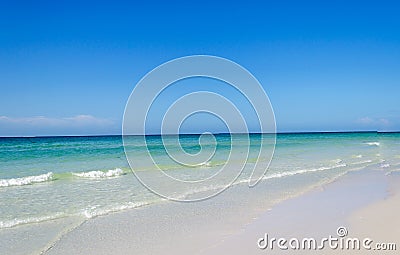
(217, 133)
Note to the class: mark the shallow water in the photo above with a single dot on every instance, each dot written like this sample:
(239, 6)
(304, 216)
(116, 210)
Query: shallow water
(49, 178)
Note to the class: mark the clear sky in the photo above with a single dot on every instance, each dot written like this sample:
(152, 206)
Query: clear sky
(67, 68)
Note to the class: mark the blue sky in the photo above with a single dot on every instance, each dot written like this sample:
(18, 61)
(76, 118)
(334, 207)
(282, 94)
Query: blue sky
(67, 68)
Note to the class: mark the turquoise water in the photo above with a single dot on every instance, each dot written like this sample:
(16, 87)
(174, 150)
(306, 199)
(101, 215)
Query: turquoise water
(56, 177)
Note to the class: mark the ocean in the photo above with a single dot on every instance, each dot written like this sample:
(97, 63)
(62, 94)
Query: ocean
(48, 178)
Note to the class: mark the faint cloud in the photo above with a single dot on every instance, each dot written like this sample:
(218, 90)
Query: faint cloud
(383, 121)
(42, 125)
(365, 120)
(69, 121)
(378, 123)
(88, 120)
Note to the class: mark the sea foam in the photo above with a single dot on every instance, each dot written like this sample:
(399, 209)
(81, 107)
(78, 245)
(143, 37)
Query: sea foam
(100, 174)
(28, 220)
(94, 212)
(362, 162)
(302, 171)
(339, 163)
(373, 143)
(26, 180)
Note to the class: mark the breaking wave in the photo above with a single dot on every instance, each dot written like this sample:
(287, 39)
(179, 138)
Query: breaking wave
(373, 143)
(50, 176)
(28, 180)
(100, 174)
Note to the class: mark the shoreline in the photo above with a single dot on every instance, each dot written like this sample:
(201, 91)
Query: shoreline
(216, 227)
